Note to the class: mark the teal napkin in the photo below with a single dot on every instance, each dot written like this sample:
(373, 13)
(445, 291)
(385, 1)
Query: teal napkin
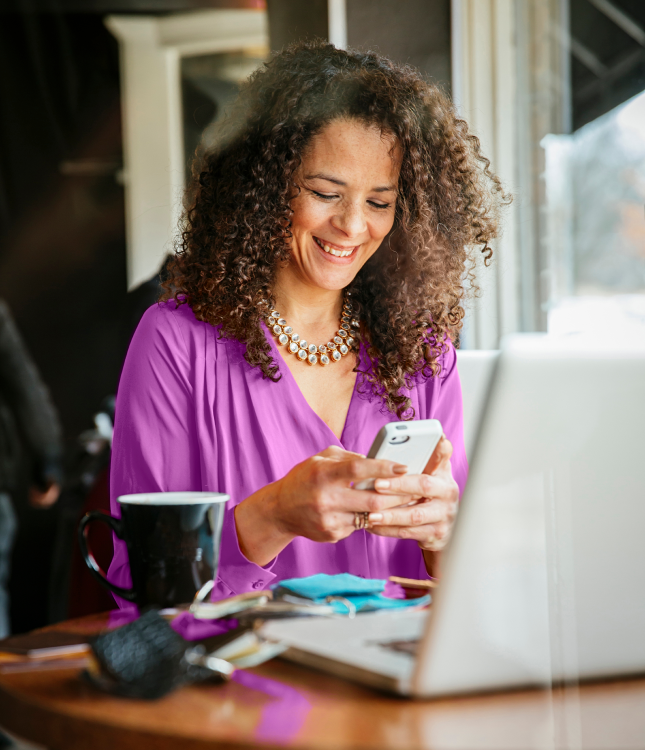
(364, 593)
(322, 585)
(377, 601)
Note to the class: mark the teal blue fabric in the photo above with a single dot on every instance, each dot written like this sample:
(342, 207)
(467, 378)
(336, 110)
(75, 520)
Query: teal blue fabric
(364, 593)
(322, 585)
(377, 601)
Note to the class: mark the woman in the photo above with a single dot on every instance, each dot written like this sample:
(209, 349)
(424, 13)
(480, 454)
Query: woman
(333, 213)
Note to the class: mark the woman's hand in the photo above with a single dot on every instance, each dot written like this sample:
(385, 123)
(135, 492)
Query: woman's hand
(316, 500)
(435, 495)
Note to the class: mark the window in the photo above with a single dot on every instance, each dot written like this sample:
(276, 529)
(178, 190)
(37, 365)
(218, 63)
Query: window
(555, 90)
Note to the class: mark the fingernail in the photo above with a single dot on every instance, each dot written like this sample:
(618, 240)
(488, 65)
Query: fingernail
(381, 484)
(400, 469)
(375, 517)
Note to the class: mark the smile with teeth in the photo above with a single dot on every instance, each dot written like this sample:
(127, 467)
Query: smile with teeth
(334, 250)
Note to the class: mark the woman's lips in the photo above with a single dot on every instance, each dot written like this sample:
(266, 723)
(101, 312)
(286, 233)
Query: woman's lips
(335, 250)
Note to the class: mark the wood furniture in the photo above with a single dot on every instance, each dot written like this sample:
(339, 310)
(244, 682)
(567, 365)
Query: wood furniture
(280, 704)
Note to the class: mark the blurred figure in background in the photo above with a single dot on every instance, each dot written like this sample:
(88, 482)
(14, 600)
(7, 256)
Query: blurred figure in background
(30, 436)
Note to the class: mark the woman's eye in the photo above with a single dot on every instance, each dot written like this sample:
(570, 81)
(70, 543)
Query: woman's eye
(329, 197)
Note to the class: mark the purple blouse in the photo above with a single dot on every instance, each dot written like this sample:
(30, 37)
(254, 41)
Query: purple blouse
(192, 415)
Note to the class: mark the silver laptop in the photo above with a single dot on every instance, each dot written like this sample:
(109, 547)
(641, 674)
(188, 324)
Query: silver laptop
(544, 579)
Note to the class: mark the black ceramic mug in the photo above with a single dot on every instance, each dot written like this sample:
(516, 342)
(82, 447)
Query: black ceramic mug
(173, 541)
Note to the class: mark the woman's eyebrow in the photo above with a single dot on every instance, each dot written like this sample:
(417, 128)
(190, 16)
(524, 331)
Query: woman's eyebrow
(328, 178)
(336, 181)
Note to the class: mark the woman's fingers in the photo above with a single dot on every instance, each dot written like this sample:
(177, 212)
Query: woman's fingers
(339, 454)
(421, 485)
(441, 454)
(415, 515)
(437, 487)
(431, 536)
(356, 468)
(366, 501)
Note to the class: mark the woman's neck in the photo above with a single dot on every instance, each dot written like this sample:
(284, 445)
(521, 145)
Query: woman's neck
(313, 312)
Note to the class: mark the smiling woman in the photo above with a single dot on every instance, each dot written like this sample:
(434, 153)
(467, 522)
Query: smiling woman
(332, 220)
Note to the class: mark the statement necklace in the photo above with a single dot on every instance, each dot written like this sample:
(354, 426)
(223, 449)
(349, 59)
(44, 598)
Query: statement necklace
(341, 344)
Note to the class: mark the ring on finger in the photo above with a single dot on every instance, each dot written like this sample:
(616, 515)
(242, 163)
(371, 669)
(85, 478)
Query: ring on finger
(361, 520)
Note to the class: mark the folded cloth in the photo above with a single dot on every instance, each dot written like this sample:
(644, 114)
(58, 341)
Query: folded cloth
(374, 602)
(363, 594)
(322, 585)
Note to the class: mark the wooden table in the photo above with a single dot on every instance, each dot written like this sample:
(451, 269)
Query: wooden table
(280, 704)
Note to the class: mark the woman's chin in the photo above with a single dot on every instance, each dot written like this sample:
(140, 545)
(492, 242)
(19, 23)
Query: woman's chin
(334, 276)
(333, 281)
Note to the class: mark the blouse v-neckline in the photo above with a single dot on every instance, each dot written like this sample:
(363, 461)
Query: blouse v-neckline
(285, 372)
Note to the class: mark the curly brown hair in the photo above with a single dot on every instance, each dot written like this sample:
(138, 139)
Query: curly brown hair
(236, 228)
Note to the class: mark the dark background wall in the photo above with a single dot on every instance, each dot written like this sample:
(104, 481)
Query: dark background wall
(62, 235)
(416, 32)
(295, 20)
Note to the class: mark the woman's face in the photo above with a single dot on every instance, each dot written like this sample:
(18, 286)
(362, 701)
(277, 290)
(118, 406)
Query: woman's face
(348, 187)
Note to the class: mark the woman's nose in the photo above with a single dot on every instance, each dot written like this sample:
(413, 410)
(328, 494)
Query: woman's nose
(350, 220)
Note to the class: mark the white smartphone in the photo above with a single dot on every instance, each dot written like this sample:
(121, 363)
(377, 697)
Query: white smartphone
(409, 443)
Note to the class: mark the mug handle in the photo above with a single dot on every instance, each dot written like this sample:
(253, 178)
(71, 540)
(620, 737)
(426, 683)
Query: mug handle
(117, 527)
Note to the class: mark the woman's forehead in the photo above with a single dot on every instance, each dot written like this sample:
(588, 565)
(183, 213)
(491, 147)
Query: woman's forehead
(351, 147)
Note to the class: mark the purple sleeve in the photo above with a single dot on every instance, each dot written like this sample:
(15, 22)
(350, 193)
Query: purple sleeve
(154, 446)
(449, 411)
